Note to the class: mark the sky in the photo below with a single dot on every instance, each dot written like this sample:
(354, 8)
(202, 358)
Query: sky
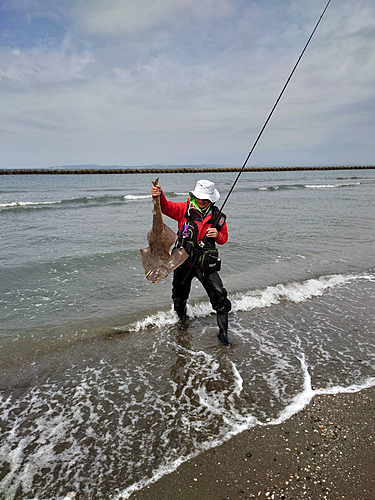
(144, 82)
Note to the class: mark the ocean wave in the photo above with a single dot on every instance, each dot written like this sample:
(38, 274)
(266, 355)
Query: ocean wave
(281, 258)
(84, 200)
(327, 186)
(76, 418)
(305, 186)
(137, 197)
(67, 417)
(277, 188)
(270, 188)
(272, 295)
(26, 204)
(343, 178)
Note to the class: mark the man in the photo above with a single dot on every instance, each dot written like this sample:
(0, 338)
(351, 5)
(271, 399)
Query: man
(196, 234)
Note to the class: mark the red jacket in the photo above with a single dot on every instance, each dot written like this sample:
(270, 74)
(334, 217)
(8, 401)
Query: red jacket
(177, 211)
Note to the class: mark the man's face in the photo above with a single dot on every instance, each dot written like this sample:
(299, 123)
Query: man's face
(202, 203)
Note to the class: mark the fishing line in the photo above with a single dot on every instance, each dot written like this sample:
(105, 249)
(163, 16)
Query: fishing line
(273, 109)
(203, 242)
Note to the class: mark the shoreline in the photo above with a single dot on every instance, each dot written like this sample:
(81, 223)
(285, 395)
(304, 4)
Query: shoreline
(325, 451)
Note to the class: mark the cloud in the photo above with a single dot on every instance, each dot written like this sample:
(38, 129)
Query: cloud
(22, 5)
(42, 65)
(187, 82)
(35, 9)
(116, 17)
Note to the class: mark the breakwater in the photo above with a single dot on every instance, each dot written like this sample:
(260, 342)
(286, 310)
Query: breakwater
(184, 170)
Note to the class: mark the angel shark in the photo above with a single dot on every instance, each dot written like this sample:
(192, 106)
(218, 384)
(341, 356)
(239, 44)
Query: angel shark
(156, 258)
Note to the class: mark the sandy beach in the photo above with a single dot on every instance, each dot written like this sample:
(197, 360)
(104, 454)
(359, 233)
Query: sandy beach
(326, 451)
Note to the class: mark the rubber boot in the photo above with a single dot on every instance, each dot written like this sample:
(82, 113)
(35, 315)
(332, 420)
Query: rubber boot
(222, 321)
(180, 308)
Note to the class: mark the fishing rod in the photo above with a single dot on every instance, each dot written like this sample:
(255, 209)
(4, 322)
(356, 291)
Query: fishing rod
(259, 135)
(274, 107)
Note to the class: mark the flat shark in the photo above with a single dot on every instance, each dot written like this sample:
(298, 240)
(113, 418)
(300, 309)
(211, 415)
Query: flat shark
(157, 259)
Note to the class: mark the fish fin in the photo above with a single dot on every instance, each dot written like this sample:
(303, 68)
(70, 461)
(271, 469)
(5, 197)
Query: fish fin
(156, 182)
(171, 236)
(177, 258)
(158, 270)
(146, 258)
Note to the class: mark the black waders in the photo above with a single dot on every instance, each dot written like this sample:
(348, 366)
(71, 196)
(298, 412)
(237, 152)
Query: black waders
(215, 290)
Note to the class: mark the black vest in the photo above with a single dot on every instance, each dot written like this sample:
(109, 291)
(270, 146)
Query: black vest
(188, 234)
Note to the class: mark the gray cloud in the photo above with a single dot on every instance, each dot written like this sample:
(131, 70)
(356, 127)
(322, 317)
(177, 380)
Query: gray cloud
(189, 82)
(116, 18)
(42, 65)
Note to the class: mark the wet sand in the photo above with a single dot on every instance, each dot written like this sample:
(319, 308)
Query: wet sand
(326, 451)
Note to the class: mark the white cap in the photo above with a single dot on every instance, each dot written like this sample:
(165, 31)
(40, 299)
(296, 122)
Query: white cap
(205, 190)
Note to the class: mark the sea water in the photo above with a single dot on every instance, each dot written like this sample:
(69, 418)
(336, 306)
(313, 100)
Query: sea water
(103, 391)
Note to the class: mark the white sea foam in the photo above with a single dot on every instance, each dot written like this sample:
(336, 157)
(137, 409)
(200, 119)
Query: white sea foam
(137, 197)
(166, 318)
(195, 403)
(182, 194)
(54, 424)
(325, 186)
(159, 319)
(30, 204)
(238, 380)
(280, 258)
(266, 188)
(21, 204)
(291, 292)
(25, 204)
(337, 389)
(214, 403)
(236, 422)
(300, 401)
(303, 398)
